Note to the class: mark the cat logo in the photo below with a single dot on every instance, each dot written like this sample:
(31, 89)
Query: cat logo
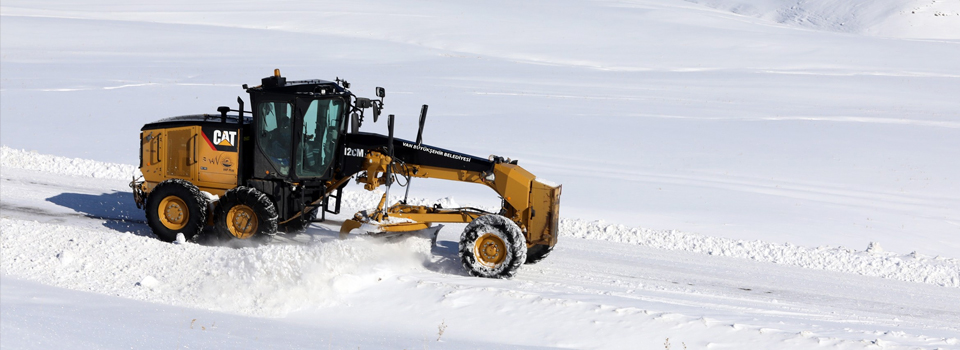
(224, 138)
(221, 140)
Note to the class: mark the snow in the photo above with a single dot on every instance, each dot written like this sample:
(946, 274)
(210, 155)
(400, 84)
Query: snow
(316, 276)
(871, 261)
(736, 174)
(660, 114)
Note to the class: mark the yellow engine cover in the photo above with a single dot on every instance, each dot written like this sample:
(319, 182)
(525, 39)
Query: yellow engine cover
(205, 155)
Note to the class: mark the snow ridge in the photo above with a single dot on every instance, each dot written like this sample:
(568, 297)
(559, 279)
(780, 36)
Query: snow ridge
(21, 159)
(912, 267)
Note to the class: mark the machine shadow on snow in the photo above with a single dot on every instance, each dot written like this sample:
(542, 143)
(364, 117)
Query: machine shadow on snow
(116, 209)
(447, 254)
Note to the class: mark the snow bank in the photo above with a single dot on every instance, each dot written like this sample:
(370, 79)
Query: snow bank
(873, 261)
(21, 159)
(271, 280)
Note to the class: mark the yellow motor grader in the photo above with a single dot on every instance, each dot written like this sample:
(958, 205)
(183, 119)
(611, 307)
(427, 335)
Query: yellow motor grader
(284, 163)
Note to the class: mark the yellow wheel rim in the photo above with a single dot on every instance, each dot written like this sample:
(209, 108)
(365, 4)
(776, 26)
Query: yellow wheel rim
(490, 250)
(242, 221)
(173, 213)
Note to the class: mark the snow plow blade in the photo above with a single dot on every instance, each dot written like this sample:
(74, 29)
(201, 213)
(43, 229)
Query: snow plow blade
(374, 229)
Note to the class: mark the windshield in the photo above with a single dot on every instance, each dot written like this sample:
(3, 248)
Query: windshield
(319, 139)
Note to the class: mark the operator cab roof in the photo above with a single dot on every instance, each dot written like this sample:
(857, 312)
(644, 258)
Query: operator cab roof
(280, 85)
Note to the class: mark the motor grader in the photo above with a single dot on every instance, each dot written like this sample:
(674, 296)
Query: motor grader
(284, 163)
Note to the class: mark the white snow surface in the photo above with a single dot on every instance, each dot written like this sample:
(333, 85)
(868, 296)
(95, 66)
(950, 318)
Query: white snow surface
(663, 114)
(111, 252)
(736, 174)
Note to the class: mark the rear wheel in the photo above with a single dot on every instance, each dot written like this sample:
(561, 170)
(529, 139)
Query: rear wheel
(176, 206)
(538, 252)
(492, 246)
(245, 213)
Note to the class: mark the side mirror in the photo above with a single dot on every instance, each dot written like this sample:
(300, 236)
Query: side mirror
(363, 102)
(381, 92)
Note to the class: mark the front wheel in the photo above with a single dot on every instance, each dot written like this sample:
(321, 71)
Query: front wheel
(245, 213)
(492, 246)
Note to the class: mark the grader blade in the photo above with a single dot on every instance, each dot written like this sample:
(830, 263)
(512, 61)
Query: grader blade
(390, 230)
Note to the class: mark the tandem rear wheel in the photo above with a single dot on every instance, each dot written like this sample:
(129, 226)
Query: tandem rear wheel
(176, 206)
(245, 213)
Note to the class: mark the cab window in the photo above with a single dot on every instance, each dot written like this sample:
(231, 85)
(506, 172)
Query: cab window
(275, 133)
(318, 141)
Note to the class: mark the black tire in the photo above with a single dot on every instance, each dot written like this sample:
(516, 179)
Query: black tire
(299, 224)
(245, 213)
(538, 252)
(492, 246)
(176, 206)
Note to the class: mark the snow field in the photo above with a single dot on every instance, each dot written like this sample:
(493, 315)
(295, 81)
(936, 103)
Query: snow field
(825, 124)
(278, 280)
(737, 103)
(345, 280)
